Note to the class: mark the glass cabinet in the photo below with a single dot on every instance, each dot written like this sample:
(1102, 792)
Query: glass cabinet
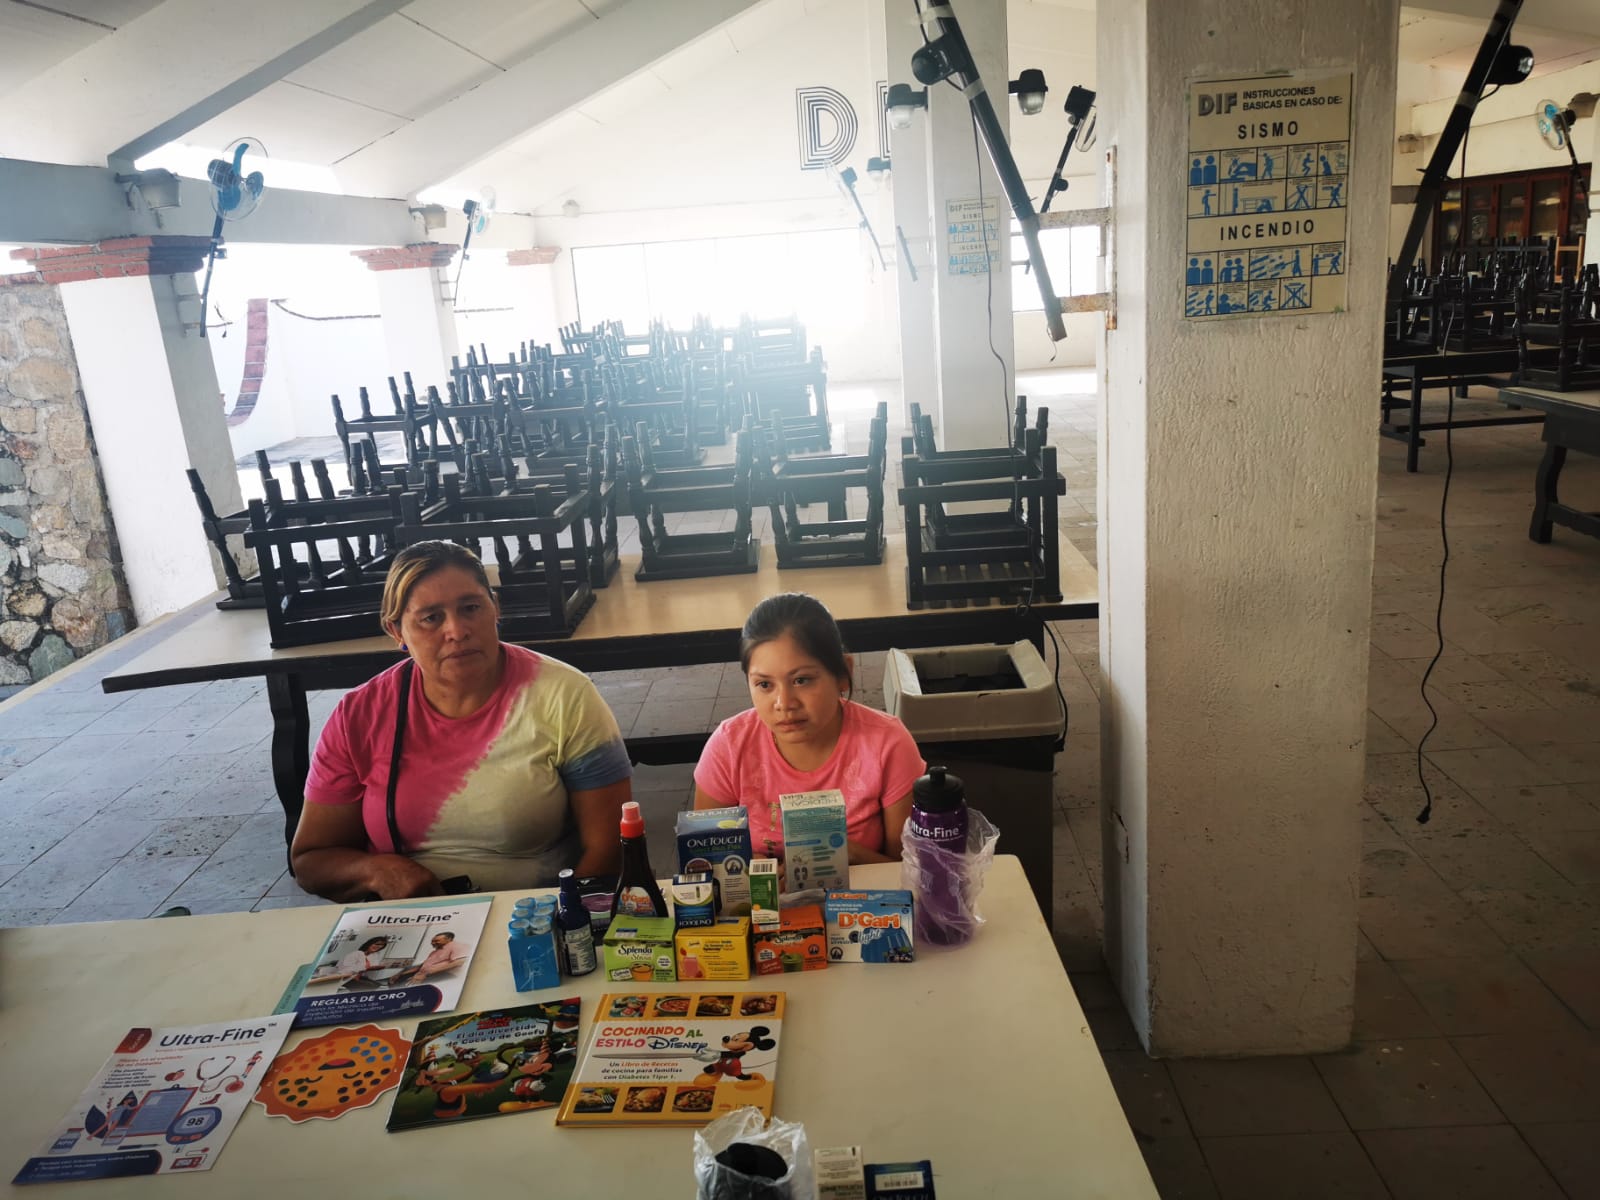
(1509, 209)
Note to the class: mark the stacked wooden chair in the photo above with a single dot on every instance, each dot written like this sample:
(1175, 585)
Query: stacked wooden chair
(1565, 316)
(788, 484)
(1010, 552)
(657, 493)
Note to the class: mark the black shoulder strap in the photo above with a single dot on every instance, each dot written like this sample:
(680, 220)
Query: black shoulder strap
(394, 758)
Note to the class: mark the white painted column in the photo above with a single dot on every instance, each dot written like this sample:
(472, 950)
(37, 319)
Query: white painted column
(419, 325)
(908, 154)
(975, 396)
(1238, 465)
(155, 407)
(946, 360)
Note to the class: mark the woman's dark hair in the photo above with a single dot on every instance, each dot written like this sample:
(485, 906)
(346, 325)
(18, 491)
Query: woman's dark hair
(373, 941)
(803, 618)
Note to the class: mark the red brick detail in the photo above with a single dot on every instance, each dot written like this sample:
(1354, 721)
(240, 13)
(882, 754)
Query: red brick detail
(255, 362)
(116, 258)
(406, 258)
(534, 256)
(21, 277)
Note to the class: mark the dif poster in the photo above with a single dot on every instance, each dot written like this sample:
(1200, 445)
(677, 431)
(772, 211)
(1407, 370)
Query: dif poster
(1267, 176)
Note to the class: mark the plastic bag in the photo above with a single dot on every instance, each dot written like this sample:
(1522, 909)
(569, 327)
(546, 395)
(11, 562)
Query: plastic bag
(715, 1180)
(948, 914)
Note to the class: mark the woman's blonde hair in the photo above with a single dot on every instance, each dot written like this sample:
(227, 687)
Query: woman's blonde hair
(414, 564)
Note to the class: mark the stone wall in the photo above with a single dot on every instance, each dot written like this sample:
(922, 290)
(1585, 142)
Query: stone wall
(62, 591)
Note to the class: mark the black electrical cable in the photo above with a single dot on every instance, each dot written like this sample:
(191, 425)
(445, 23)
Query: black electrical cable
(1444, 497)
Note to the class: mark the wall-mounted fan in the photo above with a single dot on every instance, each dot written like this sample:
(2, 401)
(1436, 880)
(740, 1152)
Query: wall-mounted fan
(1554, 122)
(478, 210)
(1555, 127)
(236, 191)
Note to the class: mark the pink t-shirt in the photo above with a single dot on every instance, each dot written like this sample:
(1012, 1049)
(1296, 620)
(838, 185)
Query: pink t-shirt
(874, 765)
(485, 795)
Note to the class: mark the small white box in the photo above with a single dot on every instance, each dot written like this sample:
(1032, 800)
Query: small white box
(840, 1173)
(816, 846)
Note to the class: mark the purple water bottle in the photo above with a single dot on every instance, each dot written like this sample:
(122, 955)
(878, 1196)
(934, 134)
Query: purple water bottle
(939, 821)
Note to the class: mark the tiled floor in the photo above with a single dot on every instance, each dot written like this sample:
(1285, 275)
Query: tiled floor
(1478, 993)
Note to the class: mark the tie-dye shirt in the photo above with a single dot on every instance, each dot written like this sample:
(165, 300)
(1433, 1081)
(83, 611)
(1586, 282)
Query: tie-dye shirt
(483, 795)
(874, 765)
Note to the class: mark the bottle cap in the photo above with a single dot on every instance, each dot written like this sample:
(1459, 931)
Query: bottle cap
(938, 791)
(632, 821)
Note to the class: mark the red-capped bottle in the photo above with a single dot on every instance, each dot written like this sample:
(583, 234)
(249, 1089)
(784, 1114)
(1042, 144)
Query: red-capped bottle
(637, 894)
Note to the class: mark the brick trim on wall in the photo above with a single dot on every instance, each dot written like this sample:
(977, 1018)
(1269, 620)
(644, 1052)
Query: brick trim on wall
(407, 258)
(534, 256)
(115, 258)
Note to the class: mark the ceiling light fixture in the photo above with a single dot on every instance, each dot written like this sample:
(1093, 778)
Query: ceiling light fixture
(1029, 88)
(902, 103)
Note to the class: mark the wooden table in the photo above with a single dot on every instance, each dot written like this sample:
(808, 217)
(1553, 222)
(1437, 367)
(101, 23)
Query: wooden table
(1571, 422)
(1450, 368)
(631, 626)
(978, 1058)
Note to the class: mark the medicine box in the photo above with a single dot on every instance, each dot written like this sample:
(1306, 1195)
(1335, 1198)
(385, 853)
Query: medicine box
(718, 840)
(693, 900)
(900, 1181)
(870, 927)
(639, 950)
(816, 850)
(721, 951)
(764, 890)
(799, 942)
(840, 1174)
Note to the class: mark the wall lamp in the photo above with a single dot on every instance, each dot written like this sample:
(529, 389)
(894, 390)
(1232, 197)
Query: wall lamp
(902, 103)
(847, 180)
(1029, 89)
(1512, 65)
(158, 187)
(878, 169)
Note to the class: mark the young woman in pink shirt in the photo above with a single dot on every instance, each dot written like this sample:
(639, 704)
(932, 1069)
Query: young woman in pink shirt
(805, 734)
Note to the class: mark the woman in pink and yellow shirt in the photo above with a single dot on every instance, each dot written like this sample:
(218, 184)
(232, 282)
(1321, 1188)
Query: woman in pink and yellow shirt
(805, 734)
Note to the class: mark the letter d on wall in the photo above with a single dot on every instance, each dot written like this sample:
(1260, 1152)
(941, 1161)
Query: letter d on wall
(826, 126)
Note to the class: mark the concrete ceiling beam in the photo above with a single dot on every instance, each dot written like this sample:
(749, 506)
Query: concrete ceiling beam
(168, 71)
(48, 202)
(597, 55)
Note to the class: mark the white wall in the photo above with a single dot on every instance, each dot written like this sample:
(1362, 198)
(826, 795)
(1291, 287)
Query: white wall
(1503, 137)
(716, 155)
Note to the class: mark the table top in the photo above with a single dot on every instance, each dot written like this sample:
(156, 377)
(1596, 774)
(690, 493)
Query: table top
(1547, 399)
(632, 624)
(978, 1058)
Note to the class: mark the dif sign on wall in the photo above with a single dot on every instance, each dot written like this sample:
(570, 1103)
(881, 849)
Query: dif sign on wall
(1267, 173)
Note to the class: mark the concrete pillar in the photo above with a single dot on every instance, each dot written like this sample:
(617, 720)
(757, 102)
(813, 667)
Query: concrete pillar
(908, 154)
(945, 330)
(419, 324)
(1237, 480)
(151, 391)
(539, 293)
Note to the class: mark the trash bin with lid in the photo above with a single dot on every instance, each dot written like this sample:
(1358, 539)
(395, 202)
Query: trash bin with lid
(992, 715)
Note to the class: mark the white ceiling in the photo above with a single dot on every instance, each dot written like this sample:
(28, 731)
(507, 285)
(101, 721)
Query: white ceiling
(1448, 43)
(430, 52)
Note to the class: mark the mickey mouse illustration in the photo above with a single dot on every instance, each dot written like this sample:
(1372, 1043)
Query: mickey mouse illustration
(735, 1046)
